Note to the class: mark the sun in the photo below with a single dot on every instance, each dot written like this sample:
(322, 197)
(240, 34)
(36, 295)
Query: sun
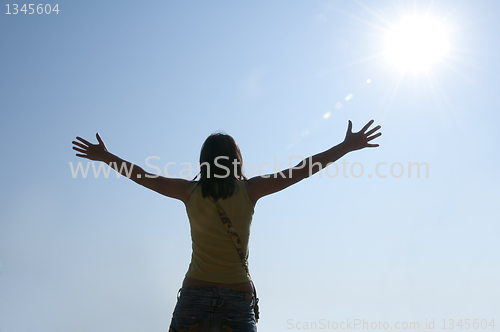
(416, 43)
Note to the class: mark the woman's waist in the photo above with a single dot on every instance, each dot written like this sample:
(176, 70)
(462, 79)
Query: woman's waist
(246, 286)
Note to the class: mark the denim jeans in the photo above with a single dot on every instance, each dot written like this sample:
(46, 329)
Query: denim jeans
(213, 309)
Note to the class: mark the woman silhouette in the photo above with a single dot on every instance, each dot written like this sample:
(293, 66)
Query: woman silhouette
(217, 293)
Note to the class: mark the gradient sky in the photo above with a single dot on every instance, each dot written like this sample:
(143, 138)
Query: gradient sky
(156, 78)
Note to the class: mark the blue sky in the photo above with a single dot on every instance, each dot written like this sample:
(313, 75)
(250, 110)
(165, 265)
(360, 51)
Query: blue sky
(156, 78)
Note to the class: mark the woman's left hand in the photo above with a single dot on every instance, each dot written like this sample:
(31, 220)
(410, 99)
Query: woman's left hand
(359, 140)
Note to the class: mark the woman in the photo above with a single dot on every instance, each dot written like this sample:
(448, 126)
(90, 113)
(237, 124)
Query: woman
(217, 293)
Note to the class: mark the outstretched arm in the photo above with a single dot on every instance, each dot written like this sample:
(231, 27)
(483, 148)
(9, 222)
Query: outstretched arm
(261, 186)
(175, 188)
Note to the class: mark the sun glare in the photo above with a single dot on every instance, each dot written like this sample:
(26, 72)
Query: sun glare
(416, 43)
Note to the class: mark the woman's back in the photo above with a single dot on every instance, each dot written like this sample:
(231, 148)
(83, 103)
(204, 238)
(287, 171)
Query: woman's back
(214, 257)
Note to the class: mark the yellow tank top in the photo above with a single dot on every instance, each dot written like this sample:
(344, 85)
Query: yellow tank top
(214, 256)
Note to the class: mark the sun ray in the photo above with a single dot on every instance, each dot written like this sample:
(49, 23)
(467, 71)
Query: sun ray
(436, 89)
(374, 14)
(458, 72)
(334, 69)
(395, 89)
(356, 18)
(457, 59)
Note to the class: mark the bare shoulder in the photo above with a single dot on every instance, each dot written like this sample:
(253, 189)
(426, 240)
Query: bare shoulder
(171, 187)
(191, 186)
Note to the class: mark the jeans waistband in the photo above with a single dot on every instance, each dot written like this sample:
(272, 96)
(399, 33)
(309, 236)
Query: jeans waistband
(209, 291)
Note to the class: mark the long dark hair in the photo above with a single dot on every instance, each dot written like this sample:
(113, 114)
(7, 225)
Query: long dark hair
(216, 181)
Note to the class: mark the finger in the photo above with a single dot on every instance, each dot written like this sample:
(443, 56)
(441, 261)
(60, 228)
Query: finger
(372, 145)
(349, 127)
(373, 130)
(368, 139)
(99, 139)
(83, 140)
(82, 156)
(366, 126)
(80, 145)
(79, 150)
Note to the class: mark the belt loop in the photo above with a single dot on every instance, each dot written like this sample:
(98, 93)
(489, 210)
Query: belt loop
(248, 297)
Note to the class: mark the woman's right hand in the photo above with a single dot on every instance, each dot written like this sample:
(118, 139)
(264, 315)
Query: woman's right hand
(91, 151)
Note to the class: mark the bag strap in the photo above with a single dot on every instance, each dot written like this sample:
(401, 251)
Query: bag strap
(239, 248)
